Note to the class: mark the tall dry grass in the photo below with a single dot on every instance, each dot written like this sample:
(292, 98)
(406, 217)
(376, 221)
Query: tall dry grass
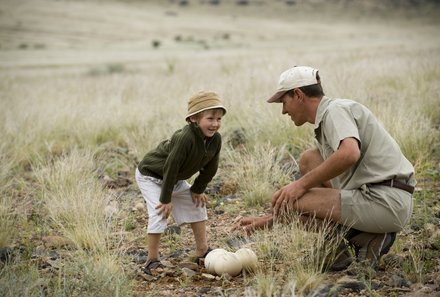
(303, 250)
(66, 109)
(76, 200)
(259, 171)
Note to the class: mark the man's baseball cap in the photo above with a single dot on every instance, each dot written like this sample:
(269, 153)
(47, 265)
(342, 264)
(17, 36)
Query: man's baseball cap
(296, 77)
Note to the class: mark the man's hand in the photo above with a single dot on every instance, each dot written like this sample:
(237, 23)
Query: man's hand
(164, 209)
(248, 225)
(283, 199)
(199, 199)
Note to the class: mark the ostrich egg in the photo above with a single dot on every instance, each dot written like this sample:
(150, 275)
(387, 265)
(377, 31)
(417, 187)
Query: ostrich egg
(228, 263)
(247, 258)
(211, 257)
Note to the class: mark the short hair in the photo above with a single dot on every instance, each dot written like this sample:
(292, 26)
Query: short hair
(311, 90)
(199, 115)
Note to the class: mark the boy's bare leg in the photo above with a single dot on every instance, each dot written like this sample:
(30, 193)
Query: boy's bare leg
(153, 245)
(199, 230)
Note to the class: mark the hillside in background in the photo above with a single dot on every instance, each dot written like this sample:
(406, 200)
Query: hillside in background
(48, 34)
(87, 87)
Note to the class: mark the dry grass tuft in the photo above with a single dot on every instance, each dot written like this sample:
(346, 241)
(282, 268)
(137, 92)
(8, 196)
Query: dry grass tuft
(294, 257)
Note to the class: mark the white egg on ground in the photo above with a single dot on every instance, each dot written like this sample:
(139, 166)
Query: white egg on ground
(228, 263)
(248, 258)
(211, 258)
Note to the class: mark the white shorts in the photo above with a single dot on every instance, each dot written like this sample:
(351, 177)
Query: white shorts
(184, 210)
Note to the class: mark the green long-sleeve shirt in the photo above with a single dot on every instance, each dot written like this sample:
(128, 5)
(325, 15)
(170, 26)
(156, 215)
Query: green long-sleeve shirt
(181, 157)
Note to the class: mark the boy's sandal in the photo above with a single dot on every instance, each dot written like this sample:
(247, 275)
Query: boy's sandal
(152, 265)
(201, 260)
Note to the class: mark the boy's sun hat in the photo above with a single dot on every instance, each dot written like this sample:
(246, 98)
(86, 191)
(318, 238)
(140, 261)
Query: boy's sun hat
(203, 100)
(296, 77)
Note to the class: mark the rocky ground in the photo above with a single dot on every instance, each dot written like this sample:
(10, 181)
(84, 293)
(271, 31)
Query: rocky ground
(182, 277)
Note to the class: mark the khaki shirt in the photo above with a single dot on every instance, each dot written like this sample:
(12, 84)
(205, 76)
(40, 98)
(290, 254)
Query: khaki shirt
(381, 158)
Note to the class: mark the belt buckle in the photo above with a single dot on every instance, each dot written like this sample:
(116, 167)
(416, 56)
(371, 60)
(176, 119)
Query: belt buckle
(392, 183)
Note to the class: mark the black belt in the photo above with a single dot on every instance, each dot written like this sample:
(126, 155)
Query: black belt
(396, 184)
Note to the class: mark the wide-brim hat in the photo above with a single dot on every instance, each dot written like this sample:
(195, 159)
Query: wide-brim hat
(203, 100)
(296, 77)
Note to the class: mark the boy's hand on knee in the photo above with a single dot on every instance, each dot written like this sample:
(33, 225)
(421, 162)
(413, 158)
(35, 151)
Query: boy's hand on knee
(164, 209)
(199, 199)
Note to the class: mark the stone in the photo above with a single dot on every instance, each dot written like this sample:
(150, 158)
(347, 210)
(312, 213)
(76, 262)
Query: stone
(53, 255)
(189, 265)
(208, 276)
(145, 276)
(188, 272)
(204, 290)
(398, 281)
(351, 283)
(5, 254)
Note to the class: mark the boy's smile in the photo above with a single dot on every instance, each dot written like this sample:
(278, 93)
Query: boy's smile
(210, 123)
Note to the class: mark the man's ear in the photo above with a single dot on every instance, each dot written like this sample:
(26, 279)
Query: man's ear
(300, 94)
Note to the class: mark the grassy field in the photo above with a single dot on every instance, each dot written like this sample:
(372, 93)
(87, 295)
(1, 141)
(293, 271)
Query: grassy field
(88, 87)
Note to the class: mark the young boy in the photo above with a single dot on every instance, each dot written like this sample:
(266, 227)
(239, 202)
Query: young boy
(162, 173)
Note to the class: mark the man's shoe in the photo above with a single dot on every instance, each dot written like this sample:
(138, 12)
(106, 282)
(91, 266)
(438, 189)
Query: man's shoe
(372, 246)
(345, 252)
(343, 258)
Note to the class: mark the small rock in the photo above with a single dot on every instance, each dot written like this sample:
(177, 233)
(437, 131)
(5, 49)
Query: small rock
(5, 254)
(351, 283)
(324, 291)
(189, 265)
(398, 281)
(167, 264)
(146, 276)
(208, 276)
(204, 290)
(188, 272)
(53, 255)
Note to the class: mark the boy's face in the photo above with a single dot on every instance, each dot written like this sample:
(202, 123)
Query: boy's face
(209, 122)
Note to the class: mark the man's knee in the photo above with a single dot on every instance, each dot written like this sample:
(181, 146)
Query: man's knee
(309, 160)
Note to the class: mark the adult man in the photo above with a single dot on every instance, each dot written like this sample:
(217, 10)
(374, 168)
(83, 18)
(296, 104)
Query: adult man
(356, 176)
